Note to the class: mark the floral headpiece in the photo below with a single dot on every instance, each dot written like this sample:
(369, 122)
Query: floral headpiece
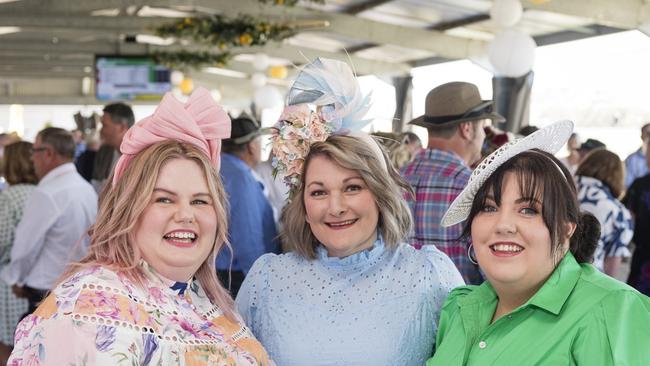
(324, 100)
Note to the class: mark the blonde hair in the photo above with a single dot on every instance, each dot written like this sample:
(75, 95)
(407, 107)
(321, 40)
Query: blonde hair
(386, 186)
(120, 207)
(17, 163)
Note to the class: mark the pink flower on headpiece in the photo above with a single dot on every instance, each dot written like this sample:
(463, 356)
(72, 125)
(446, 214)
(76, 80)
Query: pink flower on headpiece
(299, 127)
(297, 114)
(200, 122)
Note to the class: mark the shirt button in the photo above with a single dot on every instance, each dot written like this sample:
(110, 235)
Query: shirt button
(482, 344)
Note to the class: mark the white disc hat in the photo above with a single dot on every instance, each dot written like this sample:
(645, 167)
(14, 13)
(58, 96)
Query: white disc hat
(549, 139)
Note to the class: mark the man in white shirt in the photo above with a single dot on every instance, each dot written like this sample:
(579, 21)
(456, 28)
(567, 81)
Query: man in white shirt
(57, 215)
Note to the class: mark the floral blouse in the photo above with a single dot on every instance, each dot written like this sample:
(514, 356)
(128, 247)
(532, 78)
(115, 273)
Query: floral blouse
(99, 317)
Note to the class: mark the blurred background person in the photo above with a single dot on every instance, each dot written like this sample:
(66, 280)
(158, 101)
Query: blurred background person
(494, 139)
(527, 130)
(55, 219)
(85, 162)
(588, 146)
(635, 163)
(412, 142)
(79, 141)
(251, 224)
(455, 116)
(6, 139)
(21, 178)
(637, 199)
(116, 120)
(600, 184)
(396, 147)
(275, 190)
(572, 160)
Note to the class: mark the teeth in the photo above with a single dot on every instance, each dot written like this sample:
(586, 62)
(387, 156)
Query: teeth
(507, 248)
(181, 235)
(342, 223)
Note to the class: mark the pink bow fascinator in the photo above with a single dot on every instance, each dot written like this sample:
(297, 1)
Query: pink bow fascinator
(200, 121)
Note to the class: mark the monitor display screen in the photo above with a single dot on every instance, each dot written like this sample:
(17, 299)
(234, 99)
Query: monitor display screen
(130, 78)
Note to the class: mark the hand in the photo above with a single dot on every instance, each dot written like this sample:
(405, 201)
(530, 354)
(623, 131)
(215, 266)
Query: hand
(19, 291)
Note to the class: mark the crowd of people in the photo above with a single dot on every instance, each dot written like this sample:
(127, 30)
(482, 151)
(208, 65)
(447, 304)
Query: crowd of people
(171, 243)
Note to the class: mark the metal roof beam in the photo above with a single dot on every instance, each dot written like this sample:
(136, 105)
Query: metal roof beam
(619, 13)
(342, 24)
(361, 7)
(279, 50)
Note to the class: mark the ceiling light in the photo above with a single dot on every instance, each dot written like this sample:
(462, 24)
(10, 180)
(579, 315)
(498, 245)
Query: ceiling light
(106, 12)
(9, 30)
(147, 11)
(155, 40)
(226, 72)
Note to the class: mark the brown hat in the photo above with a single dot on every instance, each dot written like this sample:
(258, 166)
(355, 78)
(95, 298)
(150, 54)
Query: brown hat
(455, 102)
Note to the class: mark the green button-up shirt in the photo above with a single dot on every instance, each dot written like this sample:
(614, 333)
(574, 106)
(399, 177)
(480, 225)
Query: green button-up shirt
(579, 317)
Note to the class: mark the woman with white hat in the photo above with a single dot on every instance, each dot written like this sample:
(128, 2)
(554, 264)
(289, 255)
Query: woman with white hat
(543, 302)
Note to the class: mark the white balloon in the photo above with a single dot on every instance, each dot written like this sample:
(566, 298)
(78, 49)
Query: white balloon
(86, 83)
(176, 77)
(261, 62)
(268, 97)
(512, 53)
(258, 80)
(216, 95)
(506, 13)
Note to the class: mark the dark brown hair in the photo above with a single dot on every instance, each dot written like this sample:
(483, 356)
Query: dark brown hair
(605, 166)
(120, 113)
(543, 178)
(17, 164)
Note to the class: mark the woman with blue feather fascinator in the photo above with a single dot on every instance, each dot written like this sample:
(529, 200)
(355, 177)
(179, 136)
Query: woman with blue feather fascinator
(350, 292)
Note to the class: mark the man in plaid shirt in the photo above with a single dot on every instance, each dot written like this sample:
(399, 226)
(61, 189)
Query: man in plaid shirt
(454, 117)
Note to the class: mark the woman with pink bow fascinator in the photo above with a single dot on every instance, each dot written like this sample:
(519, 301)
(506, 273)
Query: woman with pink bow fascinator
(147, 292)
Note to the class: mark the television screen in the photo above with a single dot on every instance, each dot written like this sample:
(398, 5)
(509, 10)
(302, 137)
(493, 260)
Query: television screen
(130, 78)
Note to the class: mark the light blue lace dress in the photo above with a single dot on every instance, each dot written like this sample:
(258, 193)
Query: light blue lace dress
(376, 307)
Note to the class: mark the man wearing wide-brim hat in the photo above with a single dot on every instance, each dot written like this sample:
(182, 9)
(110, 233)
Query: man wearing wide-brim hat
(455, 115)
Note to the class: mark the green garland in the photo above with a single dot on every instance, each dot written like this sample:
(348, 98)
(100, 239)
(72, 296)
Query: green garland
(185, 60)
(226, 33)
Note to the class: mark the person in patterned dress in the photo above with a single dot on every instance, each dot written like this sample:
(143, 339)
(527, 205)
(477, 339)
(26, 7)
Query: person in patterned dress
(147, 292)
(600, 183)
(19, 174)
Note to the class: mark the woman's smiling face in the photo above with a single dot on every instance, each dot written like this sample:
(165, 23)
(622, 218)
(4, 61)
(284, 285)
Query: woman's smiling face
(177, 230)
(511, 240)
(341, 211)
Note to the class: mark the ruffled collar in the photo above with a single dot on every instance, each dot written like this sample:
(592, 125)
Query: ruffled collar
(177, 287)
(361, 257)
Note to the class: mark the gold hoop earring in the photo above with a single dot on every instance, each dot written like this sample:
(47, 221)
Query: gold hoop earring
(469, 254)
